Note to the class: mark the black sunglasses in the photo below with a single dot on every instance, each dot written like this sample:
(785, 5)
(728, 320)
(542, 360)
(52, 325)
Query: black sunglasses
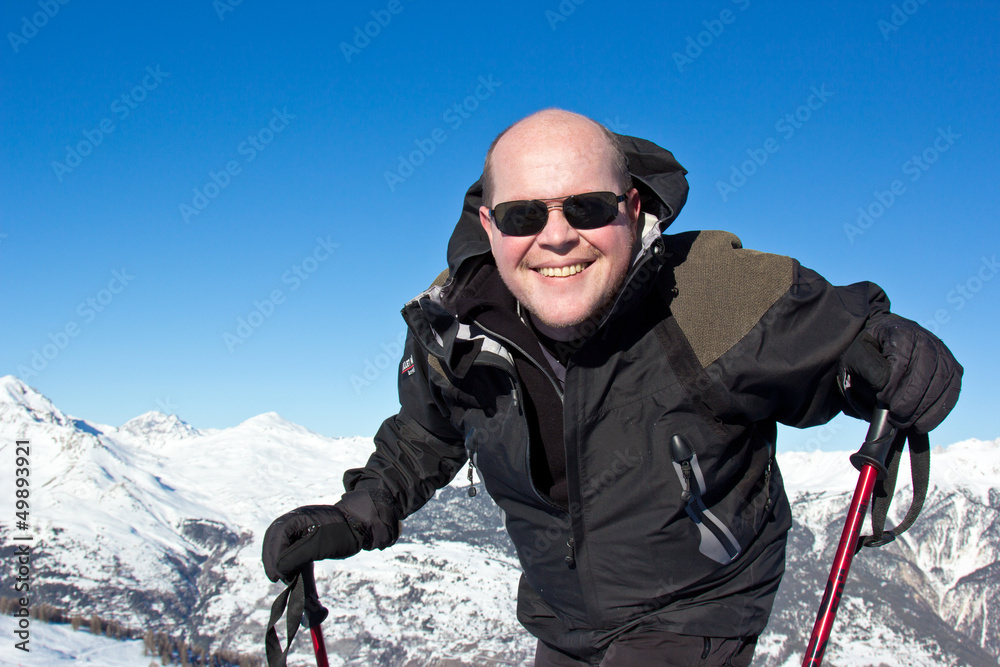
(528, 217)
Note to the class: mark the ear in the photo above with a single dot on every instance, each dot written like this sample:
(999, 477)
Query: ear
(486, 222)
(633, 206)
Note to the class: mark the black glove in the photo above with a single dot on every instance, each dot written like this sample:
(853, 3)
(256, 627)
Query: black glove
(924, 377)
(306, 534)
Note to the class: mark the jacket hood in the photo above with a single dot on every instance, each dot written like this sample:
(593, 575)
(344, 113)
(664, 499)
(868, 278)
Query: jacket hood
(656, 174)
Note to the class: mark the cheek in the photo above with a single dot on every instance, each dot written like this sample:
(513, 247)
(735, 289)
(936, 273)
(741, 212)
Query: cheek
(615, 243)
(509, 252)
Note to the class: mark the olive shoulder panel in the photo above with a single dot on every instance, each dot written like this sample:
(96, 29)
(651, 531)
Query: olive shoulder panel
(722, 290)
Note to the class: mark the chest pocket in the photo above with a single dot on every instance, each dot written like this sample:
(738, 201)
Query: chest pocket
(718, 526)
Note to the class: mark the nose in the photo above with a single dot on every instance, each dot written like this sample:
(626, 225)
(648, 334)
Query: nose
(557, 233)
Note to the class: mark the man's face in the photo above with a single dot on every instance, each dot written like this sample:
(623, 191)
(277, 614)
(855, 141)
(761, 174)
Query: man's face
(550, 168)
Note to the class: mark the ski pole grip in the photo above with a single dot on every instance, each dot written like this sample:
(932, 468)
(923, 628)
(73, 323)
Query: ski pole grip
(314, 612)
(875, 448)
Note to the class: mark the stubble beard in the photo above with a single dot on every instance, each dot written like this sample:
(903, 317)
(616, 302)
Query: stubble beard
(578, 326)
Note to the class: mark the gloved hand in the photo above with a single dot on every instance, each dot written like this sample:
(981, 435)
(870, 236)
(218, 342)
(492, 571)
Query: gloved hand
(924, 377)
(306, 534)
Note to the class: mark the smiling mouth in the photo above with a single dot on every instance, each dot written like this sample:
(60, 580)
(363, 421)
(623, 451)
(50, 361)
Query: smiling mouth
(563, 271)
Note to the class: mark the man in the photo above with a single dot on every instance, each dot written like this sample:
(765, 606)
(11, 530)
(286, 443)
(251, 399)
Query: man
(618, 391)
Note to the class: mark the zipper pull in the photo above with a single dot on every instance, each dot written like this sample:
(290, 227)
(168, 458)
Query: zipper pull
(472, 482)
(767, 486)
(681, 453)
(686, 469)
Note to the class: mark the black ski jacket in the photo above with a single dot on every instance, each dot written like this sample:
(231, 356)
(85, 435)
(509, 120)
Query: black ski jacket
(676, 513)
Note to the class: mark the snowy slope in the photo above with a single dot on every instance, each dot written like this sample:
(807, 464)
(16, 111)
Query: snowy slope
(58, 645)
(158, 524)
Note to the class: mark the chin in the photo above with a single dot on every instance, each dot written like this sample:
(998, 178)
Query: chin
(561, 318)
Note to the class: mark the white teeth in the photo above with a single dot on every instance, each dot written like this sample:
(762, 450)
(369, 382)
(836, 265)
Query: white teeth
(562, 272)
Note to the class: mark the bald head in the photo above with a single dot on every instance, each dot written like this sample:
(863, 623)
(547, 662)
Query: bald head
(553, 126)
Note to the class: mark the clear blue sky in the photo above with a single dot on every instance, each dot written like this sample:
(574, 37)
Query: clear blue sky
(169, 168)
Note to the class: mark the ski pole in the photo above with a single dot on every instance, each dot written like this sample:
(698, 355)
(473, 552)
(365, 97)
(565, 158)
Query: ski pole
(313, 615)
(870, 460)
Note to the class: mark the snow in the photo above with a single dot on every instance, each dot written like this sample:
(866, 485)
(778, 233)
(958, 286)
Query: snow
(51, 645)
(17, 397)
(157, 427)
(972, 465)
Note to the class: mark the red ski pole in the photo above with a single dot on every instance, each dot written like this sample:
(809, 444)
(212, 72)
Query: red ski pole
(870, 460)
(313, 615)
(319, 646)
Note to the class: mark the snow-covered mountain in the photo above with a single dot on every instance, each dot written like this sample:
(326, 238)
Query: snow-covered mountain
(924, 599)
(159, 525)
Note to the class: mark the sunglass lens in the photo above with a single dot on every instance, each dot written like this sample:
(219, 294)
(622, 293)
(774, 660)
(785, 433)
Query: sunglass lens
(522, 218)
(590, 211)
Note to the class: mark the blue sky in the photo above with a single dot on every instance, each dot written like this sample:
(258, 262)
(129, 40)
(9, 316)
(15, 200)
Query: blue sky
(172, 169)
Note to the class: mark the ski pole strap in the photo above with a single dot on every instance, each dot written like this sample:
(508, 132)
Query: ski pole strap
(920, 462)
(294, 598)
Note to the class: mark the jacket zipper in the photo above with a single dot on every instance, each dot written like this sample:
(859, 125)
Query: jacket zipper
(683, 455)
(767, 476)
(524, 419)
(515, 396)
(515, 393)
(571, 558)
